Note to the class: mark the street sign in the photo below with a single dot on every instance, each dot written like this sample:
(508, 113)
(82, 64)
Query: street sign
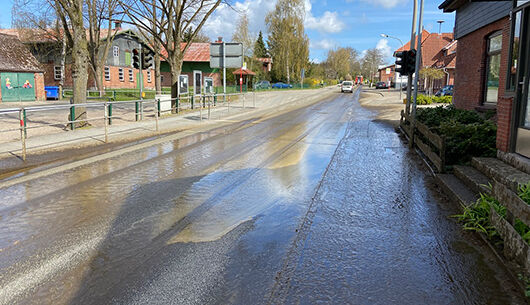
(233, 55)
(183, 84)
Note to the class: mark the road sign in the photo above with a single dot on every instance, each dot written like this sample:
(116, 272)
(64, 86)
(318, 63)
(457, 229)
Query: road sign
(233, 55)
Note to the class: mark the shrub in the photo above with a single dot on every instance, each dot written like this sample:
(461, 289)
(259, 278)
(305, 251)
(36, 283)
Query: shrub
(423, 100)
(466, 134)
(443, 99)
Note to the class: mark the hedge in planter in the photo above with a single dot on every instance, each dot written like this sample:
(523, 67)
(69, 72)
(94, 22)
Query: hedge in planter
(466, 133)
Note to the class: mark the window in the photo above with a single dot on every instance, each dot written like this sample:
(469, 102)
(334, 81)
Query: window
(57, 73)
(116, 51)
(148, 76)
(128, 61)
(107, 73)
(514, 53)
(161, 79)
(493, 63)
(120, 74)
(131, 77)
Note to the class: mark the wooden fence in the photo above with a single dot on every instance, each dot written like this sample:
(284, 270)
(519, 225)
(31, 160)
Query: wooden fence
(436, 158)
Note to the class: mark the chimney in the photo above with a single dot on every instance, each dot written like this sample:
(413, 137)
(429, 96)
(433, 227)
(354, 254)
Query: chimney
(117, 25)
(219, 39)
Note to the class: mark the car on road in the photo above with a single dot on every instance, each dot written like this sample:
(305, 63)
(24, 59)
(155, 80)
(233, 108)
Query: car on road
(346, 86)
(280, 85)
(381, 85)
(262, 84)
(447, 90)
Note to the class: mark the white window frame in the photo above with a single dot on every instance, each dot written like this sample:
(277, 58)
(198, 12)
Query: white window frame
(148, 76)
(121, 75)
(131, 76)
(116, 51)
(57, 69)
(107, 73)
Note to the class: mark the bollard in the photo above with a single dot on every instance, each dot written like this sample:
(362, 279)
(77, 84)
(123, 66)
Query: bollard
(25, 122)
(177, 105)
(157, 114)
(109, 111)
(106, 119)
(200, 110)
(72, 117)
(141, 109)
(192, 101)
(22, 133)
(137, 110)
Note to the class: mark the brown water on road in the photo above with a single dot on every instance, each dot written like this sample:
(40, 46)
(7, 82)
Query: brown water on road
(223, 218)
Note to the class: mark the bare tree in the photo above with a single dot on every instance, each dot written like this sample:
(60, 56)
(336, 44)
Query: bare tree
(100, 39)
(173, 19)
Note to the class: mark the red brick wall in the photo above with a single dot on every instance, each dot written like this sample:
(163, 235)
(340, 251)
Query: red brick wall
(504, 118)
(114, 82)
(471, 64)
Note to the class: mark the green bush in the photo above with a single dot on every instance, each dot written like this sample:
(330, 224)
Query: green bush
(466, 133)
(423, 100)
(443, 99)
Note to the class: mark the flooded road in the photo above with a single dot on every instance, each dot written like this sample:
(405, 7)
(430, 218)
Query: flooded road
(317, 205)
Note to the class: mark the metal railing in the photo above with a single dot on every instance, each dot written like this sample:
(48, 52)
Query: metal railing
(77, 113)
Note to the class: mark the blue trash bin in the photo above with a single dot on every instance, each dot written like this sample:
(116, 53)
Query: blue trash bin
(52, 92)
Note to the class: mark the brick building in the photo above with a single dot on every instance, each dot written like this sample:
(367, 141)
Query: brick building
(21, 76)
(386, 74)
(196, 66)
(118, 71)
(493, 65)
(438, 51)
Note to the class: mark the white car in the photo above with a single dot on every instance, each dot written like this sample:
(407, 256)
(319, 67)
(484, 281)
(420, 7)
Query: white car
(346, 86)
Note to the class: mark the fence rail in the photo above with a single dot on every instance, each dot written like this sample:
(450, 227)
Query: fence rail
(417, 132)
(142, 109)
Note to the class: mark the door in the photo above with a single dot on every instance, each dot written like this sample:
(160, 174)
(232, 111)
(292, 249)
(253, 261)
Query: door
(522, 144)
(17, 86)
(197, 82)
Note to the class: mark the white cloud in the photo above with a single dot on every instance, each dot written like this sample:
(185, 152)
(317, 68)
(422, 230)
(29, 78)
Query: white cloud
(329, 22)
(323, 44)
(385, 3)
(223, 21)
(385, 49)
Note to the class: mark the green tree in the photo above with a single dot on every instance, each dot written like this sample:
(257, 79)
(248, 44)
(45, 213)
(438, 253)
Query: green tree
(288, 43)
(429, 75)
(341, 62)
(260, 50)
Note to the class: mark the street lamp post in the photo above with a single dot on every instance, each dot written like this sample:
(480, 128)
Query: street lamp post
(400, 76)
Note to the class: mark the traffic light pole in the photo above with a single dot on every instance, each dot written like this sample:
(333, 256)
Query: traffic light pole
(140, 77)
(412, 46)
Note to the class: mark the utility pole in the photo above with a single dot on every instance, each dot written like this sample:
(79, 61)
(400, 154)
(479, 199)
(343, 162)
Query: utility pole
(140, 76)
(224, 72)
(418, 61)
(412, 46)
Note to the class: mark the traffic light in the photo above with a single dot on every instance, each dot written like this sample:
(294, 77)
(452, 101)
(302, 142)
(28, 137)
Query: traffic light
(401, 62)
(147, 59)
(411, 62)
(136, 59)
(406, 62)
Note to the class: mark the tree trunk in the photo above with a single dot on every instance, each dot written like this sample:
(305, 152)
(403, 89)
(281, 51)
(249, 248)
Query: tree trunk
(79, 67)
(176, 66)
(63, 66)
(99, 79)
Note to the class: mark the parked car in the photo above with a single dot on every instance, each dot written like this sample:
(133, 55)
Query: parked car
(281, 85)
(381, 85)
(346, 86)
(262, 84)
(447, 90)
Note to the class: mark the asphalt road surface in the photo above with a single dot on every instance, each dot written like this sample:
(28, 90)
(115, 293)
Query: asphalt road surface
(319, 205)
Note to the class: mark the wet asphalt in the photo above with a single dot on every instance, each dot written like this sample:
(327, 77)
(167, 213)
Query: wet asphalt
(319, 205)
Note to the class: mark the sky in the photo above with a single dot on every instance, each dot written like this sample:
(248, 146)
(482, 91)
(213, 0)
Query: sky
(329, 23)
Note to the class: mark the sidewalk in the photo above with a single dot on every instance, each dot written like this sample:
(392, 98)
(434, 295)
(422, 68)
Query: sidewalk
(57, 138)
